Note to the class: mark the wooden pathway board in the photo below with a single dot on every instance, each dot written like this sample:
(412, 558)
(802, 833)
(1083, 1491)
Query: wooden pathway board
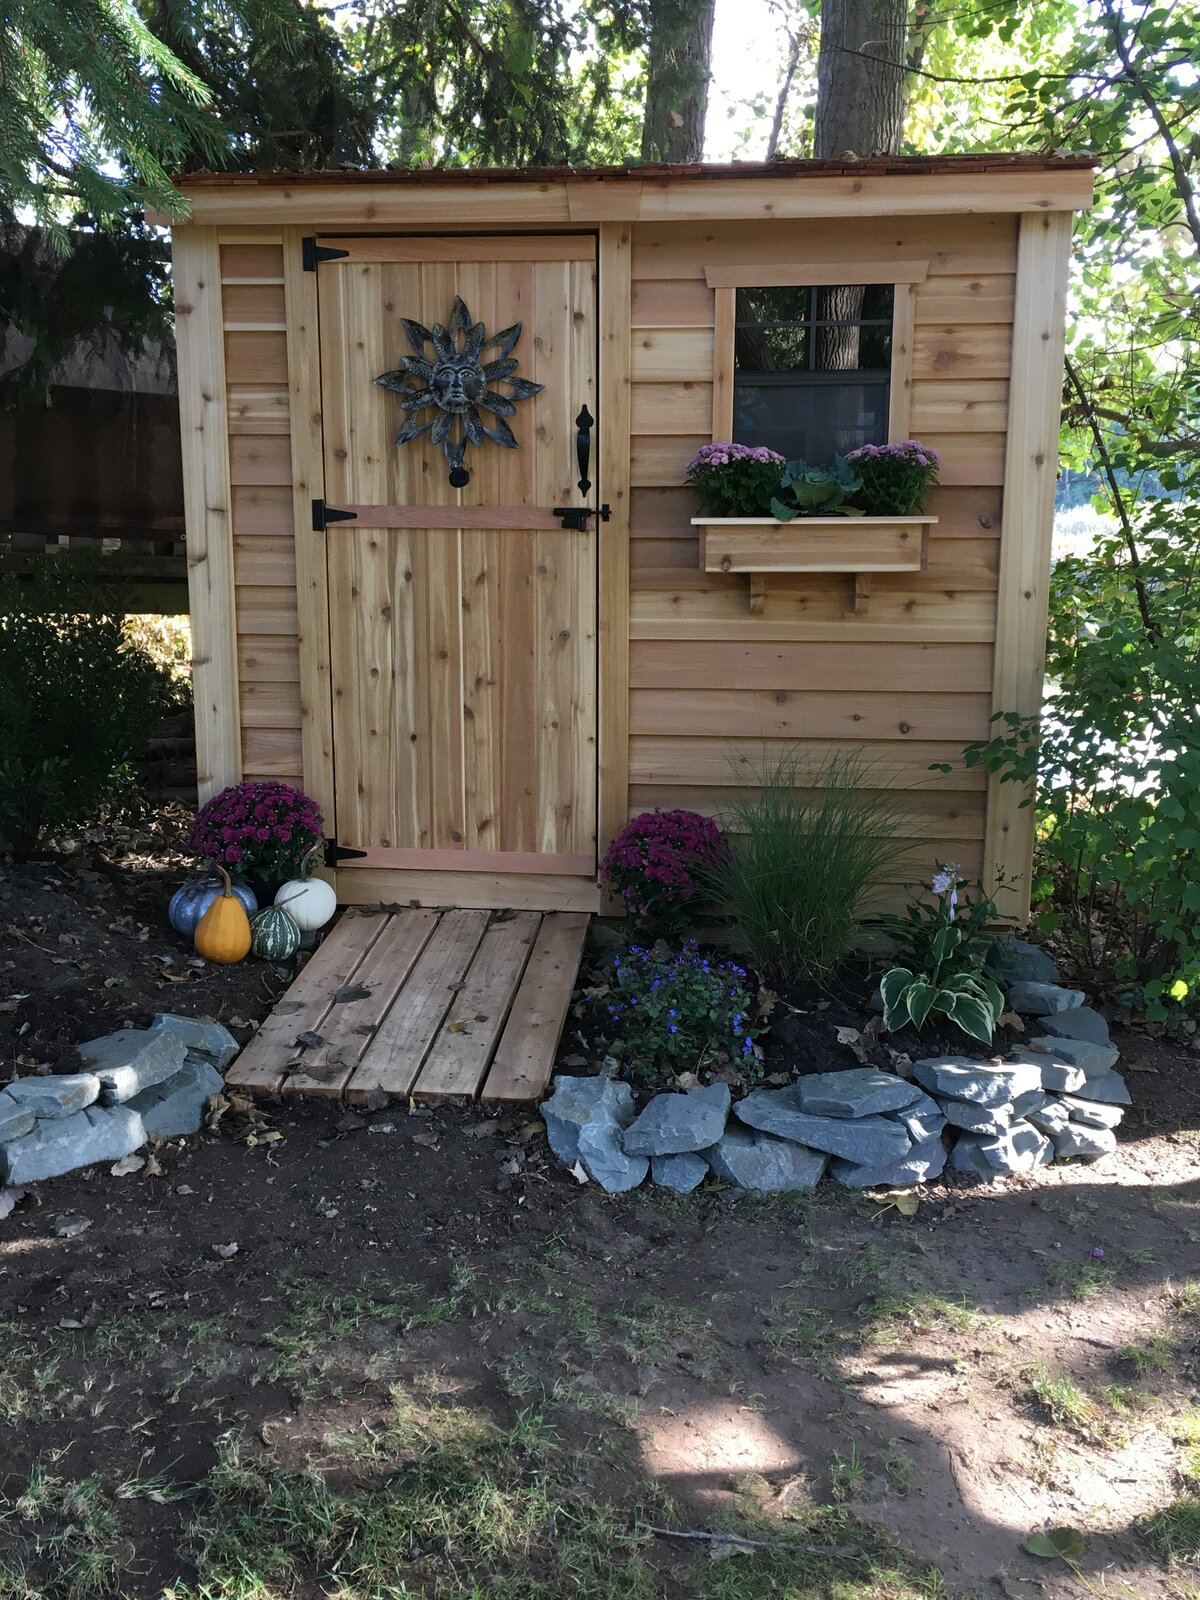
(263, 1064)
(456, 1064)
(406, 1035)
(521, 1066)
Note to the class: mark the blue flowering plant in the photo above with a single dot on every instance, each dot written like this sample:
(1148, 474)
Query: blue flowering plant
(942, 945)
(673, 1009)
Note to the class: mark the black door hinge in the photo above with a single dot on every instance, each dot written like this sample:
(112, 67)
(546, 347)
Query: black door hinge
(313, 254)
(335, 852)
(323, 515)
(576, 517)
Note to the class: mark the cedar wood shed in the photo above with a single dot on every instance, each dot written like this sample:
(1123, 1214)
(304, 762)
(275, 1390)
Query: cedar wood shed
(481, 649)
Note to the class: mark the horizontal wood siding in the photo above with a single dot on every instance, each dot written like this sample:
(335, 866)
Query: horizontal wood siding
(260, 472)
(716, 693)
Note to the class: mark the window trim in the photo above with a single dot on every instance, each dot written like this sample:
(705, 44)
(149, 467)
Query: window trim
(725, 281)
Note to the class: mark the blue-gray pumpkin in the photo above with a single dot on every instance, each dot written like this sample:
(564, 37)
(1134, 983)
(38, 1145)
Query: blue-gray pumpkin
(274, 934)
(189, 903)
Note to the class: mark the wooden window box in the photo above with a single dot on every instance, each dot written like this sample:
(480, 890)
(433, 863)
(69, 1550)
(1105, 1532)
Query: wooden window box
(860, 546)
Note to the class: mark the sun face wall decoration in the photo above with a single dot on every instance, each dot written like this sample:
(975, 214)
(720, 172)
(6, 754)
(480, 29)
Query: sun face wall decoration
(455, 382)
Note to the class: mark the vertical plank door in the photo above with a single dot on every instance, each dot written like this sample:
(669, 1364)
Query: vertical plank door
(462, 621)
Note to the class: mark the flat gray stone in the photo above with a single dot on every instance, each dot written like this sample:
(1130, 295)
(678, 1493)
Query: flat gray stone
(683, 1172)
(994, 1120)
(1021, 1149)
(578, 1101)
(869, 1141)
(769, 1165)
(605, 1161)
(1050, 1119)
(1033, 999)
(1092, 1113)
(1082, 1023)
(15, 1119)
(925, 1160)
(175, 1107)
(984, 1083)
(1012, 960)
(674, 1123)
(1111, 1089)
(1087, 1143)
(921, 1120)
(59, 1095)
(854, 1092)
(61, 1144)
(130, 1060)
(1025, 1103)
(211, 1040)
(1093, 1060)
(1062, 1077)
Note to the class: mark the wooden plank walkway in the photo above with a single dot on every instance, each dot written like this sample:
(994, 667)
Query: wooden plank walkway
(432, 1005)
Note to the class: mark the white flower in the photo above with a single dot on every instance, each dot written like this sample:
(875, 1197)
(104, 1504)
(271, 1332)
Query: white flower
(946, 877)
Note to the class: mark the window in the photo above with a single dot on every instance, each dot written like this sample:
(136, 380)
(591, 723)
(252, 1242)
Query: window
(812, 367)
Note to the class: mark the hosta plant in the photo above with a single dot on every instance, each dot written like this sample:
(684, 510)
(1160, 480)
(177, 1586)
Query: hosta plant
(941, 947)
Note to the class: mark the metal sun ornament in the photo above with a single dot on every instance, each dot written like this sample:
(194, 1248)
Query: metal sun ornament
(455, 381)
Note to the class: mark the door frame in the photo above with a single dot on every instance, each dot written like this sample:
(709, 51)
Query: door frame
(370, 885)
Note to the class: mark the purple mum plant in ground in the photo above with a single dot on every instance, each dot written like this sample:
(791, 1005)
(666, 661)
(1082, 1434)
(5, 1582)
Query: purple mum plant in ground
(264, 829)
(655, 861)
(735, 480)
(896, 478)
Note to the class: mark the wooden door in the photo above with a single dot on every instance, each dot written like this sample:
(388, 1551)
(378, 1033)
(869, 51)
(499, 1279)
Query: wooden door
(462, 621)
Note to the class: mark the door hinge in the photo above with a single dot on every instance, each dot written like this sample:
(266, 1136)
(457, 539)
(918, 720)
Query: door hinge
(335, 852)
(313, 254)
(576, 517)
(323, 515)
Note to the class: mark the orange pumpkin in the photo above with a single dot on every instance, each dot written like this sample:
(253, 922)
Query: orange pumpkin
(223, 932)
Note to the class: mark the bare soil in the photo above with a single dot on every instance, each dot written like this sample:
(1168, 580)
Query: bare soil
(1005, 1359)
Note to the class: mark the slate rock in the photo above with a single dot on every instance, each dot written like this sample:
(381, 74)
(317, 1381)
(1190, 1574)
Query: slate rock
(60, 1144)
(759, 1161)
(1093, 1060)
(1062, 1077)
(578, 1101)
(175, 1107)
(982, 1082)
(1082, 1023)
(604, 1159)
(15, 1119)
(1012, 960)
(211, 1040)
(59, 1095)
(1025, 1103)
(854, 1092)
(1034, 999)
(1019, 1150)
(922, 1120)
(868, 1141)
(682, 1172)
(994, 1120)
(1088, 1143)
(1050, 1119)
(1092, 1113)
(130, 1060)
(926, 1159)
(1111, 1089)
(674, 1123)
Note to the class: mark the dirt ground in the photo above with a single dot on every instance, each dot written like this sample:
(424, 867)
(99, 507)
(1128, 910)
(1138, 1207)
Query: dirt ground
(404, 1353)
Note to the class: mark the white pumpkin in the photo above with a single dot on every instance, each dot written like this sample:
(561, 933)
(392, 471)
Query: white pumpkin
(311, 902)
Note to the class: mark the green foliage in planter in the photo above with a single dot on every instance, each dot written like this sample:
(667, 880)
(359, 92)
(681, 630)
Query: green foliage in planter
(77, 702)
(806, 491)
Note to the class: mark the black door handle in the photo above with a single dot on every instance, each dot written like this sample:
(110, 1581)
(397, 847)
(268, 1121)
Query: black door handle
(584, 423)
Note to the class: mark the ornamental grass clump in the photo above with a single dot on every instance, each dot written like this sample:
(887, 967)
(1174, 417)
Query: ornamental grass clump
(735, 480)
(655, 861)
(265, 830)
(895, 480)
(675, 1009)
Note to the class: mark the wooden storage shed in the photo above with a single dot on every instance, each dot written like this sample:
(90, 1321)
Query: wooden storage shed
(483, 648)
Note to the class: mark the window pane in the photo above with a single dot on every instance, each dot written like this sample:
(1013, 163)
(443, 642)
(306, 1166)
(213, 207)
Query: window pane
(772, 347)
(814, 419)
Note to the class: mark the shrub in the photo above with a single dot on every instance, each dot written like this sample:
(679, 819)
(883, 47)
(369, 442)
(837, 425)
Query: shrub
(941, 947)
(895, 478)
(804, 850)
(653, 864)
(77, 703)
(676, 1009)
(806, 491)
(265, 829)
(735, 480)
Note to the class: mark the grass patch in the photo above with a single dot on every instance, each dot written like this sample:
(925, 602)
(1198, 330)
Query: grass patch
(1079, 1280)
(1156, 1354)
(64, 1540)
(1061, 1401)
(1174, 1532)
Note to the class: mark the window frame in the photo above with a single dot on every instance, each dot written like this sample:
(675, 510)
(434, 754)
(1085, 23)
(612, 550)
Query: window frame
(725, 281)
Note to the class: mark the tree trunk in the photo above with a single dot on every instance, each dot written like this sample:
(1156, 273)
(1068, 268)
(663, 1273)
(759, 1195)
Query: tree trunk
(860, 77)
(677, 80)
